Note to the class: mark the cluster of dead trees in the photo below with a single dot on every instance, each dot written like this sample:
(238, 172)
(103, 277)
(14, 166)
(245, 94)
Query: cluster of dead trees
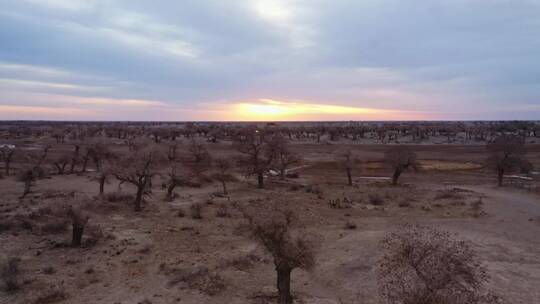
(384, 132)
(262, 151)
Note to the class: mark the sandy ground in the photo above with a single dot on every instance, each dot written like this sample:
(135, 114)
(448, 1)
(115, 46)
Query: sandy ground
(144, 257)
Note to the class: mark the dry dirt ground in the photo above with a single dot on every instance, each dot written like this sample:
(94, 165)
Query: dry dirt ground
(159, 256)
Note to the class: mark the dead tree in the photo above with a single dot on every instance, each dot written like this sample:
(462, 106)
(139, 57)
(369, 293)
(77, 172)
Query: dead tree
(6, 155)
(424, 265)
(99, 152)
(347, 160)
(137, 168)
(61, 162)
(223, 173)
(400, 158)
(258, 155)
(78, 222)
(283, 156)
(75, 158)
(27, 176)
(271, 226)
(200, 160)
(104, 174)
(507, 153)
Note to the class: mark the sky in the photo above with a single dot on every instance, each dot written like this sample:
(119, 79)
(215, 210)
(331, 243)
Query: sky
(269, 60)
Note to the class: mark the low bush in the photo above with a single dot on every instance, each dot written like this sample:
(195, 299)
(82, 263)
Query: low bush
(196, 211)
(9, 274)
(375, 199)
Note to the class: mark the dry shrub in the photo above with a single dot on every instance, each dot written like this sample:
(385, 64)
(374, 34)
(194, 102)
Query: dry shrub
(94, 233)
(9, 274)
(6, 225)
(52, 295)
(196, 211)
(115, 197)
(244, 262)
(49, 270)
(424, 265)
(200, 278)
(350, 225)
(375, 199)
(343, 203)
(315, 189)
(476, 208)
(54, 226)
(223, 211)
(448, 195)
(404, 203)
(181, 213)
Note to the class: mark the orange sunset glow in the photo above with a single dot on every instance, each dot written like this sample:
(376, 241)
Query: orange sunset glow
(273, 110)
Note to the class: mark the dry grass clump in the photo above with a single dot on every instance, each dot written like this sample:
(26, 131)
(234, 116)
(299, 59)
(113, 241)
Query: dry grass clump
(51, 295)
(476, 208)
(451, 194)
(115, 197)
(54, 226)
(196, 211)
(350, 225)
(223, 211)
(200, 278)
(375, 199)
(244, 262)
(9, 274)
(343, 203)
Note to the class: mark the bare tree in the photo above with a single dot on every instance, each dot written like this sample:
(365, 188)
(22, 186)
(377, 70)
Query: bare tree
(424, 265)
(257, 153)
(137, 168)
(99, 152)
(61, 162)
(223, 173)
(27, 176)
(507, 153)
(199, 160)
(78, 221)
(400, 158)
(283, 156)
(75, 158)
(6, 155)
(347, 160)
(106, 171)
(271, 226)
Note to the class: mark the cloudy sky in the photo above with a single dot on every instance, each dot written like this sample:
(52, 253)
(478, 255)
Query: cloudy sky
(269, 59)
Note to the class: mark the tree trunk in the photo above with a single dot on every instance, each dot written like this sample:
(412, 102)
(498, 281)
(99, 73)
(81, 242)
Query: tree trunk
(349, 177)
(8, 163)
(138, 198)
(260, 180)
(77, 235)
(500, 176)
(27, 185)
(85, 163)
(224, 188)
(284, 285)
(170, 189)
(395, 177)
(282, 174)
(101, 185)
